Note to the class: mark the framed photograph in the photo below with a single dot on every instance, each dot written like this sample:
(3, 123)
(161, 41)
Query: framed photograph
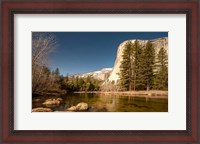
(92, 71)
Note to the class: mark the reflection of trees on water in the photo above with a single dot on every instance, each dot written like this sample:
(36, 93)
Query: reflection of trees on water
(132, 98)
(114, 103)
(117, 103)
(110, 102)
(107, 102)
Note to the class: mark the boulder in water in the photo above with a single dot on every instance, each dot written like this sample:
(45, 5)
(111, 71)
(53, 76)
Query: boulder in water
(54, 101)
(82, 106)
(73, 108)
(41, 109)
(79, 107)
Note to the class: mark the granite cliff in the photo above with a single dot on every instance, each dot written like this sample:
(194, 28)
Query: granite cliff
(111, 74)
(158, 44)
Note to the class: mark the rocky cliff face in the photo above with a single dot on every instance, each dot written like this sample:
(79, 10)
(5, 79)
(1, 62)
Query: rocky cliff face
(158, 43)
(111, 74)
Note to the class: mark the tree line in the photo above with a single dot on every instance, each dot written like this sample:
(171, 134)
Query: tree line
(142, 69)
(52, 81)
(73, 83)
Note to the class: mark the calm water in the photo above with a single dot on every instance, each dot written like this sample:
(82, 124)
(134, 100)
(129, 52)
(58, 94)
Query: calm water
(109, 103)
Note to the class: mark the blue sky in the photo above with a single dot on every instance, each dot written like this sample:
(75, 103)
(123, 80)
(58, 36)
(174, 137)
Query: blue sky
(80, 52)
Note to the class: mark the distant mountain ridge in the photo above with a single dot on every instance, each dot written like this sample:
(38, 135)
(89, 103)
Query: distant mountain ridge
(102, 74)
(111, 74)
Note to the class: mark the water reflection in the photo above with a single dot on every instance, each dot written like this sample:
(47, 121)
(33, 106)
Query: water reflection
(113, 103)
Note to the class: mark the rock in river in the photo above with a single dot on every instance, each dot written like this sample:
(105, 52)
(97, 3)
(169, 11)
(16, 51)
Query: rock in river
(82, 106)
(54, 101)
(79, 107)
(73, 108)
(41, 109)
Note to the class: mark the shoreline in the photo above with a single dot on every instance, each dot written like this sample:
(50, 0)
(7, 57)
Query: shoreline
(147, 94)
(151, 93)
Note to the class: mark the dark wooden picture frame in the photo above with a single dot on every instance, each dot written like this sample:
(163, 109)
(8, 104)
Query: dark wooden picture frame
(188, 7)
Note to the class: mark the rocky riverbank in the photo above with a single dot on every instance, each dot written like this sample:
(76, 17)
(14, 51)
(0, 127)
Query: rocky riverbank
(49, 104)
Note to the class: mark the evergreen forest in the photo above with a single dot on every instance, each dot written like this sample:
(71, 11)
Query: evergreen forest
(142, 69)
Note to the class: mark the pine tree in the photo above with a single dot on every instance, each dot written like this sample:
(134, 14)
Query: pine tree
(56, 72)
(148, 61)
(137, 65)
(56, 79)
(161, 79)
(126, 67)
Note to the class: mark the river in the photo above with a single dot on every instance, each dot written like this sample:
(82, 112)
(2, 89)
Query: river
(108, 103)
